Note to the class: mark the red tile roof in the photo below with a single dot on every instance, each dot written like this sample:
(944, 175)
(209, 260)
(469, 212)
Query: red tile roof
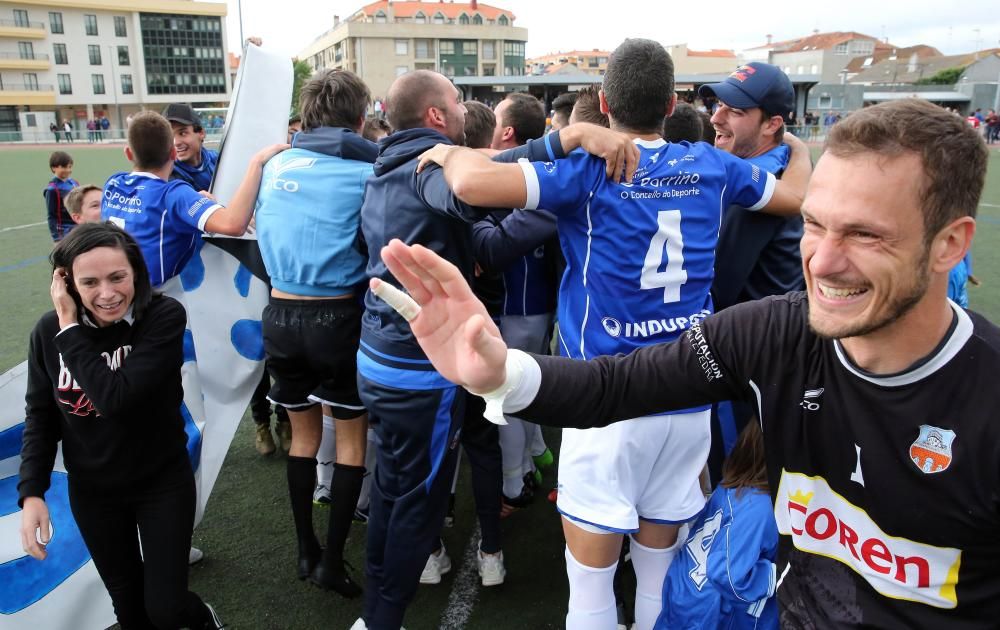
(556, 56)
(451, 10)
(820, 41)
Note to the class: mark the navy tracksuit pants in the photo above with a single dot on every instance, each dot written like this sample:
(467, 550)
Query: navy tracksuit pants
(416, 433)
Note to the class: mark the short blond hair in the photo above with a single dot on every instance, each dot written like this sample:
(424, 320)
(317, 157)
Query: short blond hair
(74, 200)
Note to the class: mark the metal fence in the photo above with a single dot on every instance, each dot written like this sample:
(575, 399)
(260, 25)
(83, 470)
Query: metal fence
(81, 136)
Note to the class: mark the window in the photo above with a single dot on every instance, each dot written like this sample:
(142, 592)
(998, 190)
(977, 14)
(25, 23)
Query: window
(30, 81)
(463, 19)
(30, 120)
(126, 84)
(420, 18)
(25, 50)
(401, 70)
(448, 71)
(95, 54)
(489, 71)
(402, 46)
(90, 24)
(423, 66)
(825, 102)
(503, 21)
(424, 48)
(55, 22)
(21, 18)
(814, 69)
(447, 47)
(120, 29)
(477, 19)
(98, 82)
(59, 52)
(65, 85)
(513, 49)
(469, 48)
(489, 50)
(380, 18)
(801, 70)
(840, 49)
(123, 59)
(438, 18)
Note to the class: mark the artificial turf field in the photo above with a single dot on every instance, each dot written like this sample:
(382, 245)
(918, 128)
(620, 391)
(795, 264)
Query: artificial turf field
(247, 535)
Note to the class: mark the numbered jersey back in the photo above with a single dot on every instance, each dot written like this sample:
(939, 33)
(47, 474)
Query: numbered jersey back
(640, 256)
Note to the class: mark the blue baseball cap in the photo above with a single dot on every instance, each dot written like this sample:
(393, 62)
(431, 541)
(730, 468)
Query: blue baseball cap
(755, 84)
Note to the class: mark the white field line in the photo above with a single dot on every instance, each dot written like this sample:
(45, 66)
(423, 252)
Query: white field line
(21, 227)
(465, 588)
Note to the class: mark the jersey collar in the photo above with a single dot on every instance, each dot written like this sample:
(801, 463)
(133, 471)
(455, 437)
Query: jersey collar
(650, 144)
(961, 332)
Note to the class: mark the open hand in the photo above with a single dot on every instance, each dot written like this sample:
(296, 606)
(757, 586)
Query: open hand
(450, 323)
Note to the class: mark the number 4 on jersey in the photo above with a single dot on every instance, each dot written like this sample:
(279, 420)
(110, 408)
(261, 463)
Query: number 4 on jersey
(668, 241)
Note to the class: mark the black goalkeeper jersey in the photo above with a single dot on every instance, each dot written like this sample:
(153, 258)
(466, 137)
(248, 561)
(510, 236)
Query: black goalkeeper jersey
(885, 488)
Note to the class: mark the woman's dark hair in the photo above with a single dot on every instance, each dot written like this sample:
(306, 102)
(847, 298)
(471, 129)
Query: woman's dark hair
(88, 236)
(745, 467)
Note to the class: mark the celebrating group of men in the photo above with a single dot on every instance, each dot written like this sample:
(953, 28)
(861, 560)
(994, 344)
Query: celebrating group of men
(870, 387)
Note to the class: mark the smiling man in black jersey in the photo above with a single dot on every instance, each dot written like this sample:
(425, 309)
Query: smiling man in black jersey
(876, 394)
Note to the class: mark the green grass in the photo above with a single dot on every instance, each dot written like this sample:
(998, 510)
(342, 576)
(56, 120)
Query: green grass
(247, 533)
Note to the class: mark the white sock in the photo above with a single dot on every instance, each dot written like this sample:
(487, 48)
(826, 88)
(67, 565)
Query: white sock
(591, 596)
(537, 441)
(366, 485)
(512, 450)
(650, 570)
(327, 453)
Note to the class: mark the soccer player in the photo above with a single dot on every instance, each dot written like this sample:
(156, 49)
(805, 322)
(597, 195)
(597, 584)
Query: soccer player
(166, 217)
(194, 164)
(639, 261)
(55, 192)
(876, 395)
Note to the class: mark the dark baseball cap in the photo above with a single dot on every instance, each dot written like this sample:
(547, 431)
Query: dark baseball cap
(755, 85)
(182, 113)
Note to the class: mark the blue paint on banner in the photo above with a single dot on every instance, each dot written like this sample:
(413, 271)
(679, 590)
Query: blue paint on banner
(242, 280)
(193, 273)
(194, 438)
(10, 441)
(25, 579)
(248, 339)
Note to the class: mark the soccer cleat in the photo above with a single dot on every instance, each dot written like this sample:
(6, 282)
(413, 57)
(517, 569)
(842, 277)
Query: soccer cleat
(263, 440)
(508, 505)
(361, 516)
(544, 460)
(321, 496)
(532, 480)
(284, 430)
(337, 581)
(553, 496)
(437, 565)
(359, 625)
(491, 568)
(214, 623)
(195, 556)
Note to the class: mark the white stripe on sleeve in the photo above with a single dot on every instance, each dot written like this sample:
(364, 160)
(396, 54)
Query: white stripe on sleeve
(531, 184)
(768, 193)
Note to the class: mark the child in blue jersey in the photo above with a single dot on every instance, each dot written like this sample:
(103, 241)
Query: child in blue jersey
(167, 217)
(195, 164)
(724, 575)
(55, 193)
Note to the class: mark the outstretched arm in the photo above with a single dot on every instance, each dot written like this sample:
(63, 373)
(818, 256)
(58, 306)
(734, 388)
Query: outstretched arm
(233, 219)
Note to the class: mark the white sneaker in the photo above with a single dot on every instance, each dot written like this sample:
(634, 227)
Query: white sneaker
(321, 496)
(491, 568)
(437, 565)
(359, 625)
(195, 556)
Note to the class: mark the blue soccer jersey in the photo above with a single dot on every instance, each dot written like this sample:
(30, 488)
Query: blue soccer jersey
(640, 256)
(165, 218)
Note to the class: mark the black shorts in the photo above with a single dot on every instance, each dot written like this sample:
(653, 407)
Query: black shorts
(312, 348)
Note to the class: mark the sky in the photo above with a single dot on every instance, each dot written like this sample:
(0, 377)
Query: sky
(952, 27)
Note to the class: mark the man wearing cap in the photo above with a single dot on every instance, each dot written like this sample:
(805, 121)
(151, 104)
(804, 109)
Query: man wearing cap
(195, 164)
(758, 254)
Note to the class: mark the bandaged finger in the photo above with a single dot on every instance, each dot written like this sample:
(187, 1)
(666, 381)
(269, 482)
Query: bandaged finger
(401, 302)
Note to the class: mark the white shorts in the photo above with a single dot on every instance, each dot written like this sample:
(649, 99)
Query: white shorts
(645, 468)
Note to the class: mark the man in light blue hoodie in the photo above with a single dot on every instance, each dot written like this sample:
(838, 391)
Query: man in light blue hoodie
(308, 214)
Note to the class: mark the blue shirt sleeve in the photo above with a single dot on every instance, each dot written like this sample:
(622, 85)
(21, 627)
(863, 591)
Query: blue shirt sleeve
(499, 244)
(563, 186)
(737, 562)
(747, 184)
(433, 190)
(189, 207)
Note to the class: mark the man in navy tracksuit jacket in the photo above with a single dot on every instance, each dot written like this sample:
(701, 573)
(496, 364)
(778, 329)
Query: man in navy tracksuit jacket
(415, 412)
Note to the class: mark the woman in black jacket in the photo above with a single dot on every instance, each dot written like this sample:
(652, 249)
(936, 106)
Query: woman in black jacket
(104, 377)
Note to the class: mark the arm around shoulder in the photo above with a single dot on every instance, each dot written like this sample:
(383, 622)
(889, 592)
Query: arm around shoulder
(790, 190)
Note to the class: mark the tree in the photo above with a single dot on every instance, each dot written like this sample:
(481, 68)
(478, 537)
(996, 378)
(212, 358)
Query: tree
(949, 76)
(301, 73)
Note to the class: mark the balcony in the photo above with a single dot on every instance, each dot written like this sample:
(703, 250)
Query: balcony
(27, 94)
(22, 61)
(22, 30)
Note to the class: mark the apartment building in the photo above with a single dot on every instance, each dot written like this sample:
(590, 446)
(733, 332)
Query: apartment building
(78, 60)
(383, 40)
(593, 62)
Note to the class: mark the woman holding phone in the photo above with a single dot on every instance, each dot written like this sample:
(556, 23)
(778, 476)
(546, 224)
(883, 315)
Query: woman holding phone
(104, 377)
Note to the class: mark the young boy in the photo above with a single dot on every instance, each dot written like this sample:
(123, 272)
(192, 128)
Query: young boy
(60, 222)
(165, 217)
(84, 204)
